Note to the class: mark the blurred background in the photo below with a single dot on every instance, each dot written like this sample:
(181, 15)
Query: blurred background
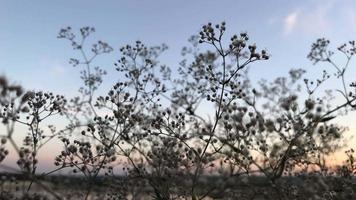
(31, 54)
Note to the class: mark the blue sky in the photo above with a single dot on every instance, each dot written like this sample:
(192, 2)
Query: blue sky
(31, 54)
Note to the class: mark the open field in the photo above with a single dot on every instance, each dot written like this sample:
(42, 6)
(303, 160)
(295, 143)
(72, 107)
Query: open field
(244, 188)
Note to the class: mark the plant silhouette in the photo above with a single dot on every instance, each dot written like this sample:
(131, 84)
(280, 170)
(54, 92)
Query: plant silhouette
(147, 138)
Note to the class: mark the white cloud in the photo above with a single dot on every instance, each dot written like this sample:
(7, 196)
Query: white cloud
(290, 22)
(58, 70)
(53, 67)
(312, 18)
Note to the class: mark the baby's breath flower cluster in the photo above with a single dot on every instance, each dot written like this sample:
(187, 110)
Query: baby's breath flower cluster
(150, 135)
(27, 160)
(3, 151)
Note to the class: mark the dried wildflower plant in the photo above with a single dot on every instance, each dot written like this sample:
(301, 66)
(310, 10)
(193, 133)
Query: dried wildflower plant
(147, 138)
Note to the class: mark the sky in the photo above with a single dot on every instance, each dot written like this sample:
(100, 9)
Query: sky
(32, 55)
